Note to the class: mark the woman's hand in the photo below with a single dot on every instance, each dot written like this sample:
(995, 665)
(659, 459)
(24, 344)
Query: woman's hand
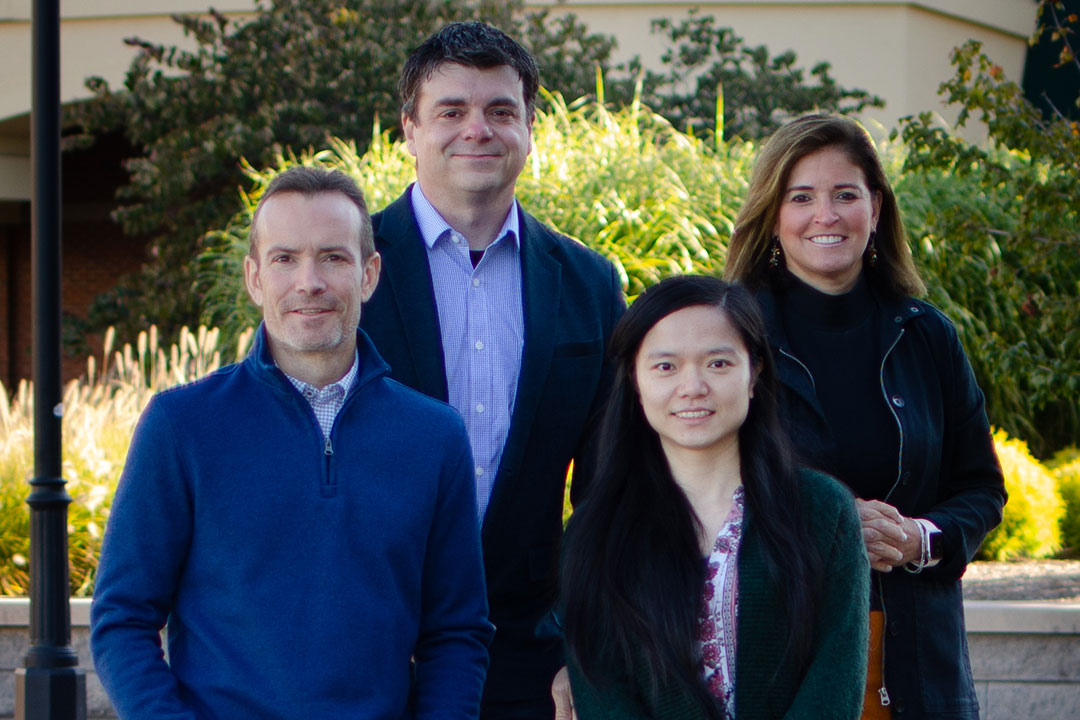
(564, 700)
(891, 539)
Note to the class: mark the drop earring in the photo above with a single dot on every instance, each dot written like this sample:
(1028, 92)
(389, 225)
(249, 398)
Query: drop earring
(774, 255)
(871, 250)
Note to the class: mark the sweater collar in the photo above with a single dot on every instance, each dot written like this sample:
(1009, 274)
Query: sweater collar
(371, 366)
(896, 313)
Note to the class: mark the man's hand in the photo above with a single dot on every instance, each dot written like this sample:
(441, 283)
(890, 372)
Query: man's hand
(564, 700)
(891, 539)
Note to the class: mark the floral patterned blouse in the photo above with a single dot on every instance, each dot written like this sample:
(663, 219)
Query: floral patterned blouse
(719, 610)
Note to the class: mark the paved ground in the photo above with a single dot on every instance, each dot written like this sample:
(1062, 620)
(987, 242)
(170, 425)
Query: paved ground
(1055, 580)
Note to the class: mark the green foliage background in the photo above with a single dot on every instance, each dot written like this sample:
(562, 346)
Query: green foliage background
(1032, 523)
(296, 74)
(1065, 467)
(303, 71)
(654, 200)
(993, 226)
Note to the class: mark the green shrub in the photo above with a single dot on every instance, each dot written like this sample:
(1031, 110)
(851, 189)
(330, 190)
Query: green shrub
(654, 200)
(1030, 528)
(994, 229)
(292, 74)
(1065, 467)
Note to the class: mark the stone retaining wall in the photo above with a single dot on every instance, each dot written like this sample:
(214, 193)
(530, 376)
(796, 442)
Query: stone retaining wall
(1025, 657)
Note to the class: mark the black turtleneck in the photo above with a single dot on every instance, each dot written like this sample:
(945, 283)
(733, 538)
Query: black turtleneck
(837, 337)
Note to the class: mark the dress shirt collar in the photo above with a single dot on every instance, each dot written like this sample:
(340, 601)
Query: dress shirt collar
(433, 225)
(341, 387)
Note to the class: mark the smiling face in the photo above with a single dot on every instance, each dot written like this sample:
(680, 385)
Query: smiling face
(695, 380)
(826, 216)
(310, 279)
(470, 133)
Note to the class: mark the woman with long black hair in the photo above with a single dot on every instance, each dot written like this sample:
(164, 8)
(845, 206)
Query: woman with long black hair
(705, 576)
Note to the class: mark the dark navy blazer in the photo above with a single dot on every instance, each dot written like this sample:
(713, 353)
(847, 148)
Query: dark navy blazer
(572, 299)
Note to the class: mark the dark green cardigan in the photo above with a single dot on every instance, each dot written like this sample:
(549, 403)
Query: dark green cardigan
(832, 686)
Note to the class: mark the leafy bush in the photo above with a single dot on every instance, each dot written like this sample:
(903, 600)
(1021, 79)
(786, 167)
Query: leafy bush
(1030, 528)
(298, 73)
(293, 75)
(654, 200)
(100, 413)
(1065, 467)
(708, 72)
(995, 230)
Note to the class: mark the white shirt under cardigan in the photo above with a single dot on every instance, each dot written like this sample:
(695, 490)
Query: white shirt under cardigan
(482, 325)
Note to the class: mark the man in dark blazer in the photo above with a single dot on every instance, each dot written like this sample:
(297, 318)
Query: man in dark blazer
(481, 305)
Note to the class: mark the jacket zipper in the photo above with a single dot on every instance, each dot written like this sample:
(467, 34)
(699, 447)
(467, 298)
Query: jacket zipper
(797, 361)
(883, 692)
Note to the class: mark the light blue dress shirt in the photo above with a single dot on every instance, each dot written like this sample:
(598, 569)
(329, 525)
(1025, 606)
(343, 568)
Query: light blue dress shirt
(483, 331)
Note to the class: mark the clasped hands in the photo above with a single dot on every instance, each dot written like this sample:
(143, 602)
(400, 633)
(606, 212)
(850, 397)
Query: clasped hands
(891, 539)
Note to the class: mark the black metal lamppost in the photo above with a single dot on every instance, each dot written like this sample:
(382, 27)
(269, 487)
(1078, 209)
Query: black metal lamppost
(50, 685)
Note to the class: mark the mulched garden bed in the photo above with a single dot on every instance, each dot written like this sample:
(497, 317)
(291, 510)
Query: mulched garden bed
(1045, 580)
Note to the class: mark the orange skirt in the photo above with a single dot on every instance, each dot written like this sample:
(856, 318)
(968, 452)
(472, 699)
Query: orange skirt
(872, 707)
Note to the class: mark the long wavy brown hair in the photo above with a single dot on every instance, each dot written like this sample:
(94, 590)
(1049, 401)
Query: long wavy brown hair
(893, 273)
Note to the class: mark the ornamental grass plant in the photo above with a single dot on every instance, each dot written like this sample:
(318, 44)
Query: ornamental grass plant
(654, 200)
(100, 413)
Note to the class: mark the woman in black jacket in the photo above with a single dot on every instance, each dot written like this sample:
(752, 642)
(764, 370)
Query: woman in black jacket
(875, 390)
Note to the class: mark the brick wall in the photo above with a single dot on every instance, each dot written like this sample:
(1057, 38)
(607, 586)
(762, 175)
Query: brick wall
(95, 254)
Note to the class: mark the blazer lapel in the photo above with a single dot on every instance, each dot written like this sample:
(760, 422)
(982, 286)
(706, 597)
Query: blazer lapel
(406, 272)
(541, 282)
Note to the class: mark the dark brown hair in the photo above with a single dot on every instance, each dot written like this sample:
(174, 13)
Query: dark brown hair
(472, 44)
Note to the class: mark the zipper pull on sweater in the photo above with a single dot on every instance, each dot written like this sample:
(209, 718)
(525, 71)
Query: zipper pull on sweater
(328, 448)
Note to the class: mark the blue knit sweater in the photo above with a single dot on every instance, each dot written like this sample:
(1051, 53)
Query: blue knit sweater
(298, 579)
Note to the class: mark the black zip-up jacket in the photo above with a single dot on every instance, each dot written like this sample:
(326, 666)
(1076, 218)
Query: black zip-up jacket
(947, 472)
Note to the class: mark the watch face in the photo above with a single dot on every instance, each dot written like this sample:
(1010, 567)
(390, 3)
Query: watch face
(937, 545)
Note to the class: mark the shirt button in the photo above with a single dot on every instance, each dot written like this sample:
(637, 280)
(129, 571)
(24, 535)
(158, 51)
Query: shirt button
(455, 238)
(479, 471)
(479, 345)
(310, 393)
(476, 282)
(479, 407)
(898, 401)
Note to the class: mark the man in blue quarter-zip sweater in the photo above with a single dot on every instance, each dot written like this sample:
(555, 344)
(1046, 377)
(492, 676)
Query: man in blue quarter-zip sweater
(304, 524)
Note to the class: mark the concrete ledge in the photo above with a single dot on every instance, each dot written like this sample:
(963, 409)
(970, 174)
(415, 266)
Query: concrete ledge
(15, 611)
(1025, 657)
(1048, 618)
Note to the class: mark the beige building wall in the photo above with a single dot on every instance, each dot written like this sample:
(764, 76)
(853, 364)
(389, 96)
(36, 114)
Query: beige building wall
(897, 50)
(92, 34)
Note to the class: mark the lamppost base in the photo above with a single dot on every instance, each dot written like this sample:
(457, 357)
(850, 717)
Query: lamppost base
(50, 693)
